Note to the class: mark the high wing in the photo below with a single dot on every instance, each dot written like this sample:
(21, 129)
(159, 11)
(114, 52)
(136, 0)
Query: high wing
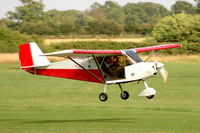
(157, 47)
(97, 53)
(77, 52)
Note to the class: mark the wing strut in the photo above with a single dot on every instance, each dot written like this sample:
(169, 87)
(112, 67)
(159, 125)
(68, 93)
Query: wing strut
(98, 67)
(86, 70)
(153, 53)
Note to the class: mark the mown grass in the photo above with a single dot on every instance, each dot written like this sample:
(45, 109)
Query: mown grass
(36, 104)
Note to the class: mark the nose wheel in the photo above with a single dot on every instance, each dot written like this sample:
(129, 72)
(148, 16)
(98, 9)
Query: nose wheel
(148, 92)
(150, 97)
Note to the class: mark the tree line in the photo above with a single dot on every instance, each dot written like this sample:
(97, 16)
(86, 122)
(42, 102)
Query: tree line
(29, 21)
(109, 18)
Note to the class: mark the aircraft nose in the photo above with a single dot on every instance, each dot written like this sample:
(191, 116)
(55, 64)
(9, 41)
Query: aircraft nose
(159, 65)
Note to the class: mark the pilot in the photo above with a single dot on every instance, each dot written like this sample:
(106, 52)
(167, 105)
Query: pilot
(112, 67)
(108, 62)
(115, 64)
(116, 69)
(106, 65)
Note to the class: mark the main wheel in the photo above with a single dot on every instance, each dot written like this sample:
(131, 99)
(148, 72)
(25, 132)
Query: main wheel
(124, 95)
(103, 97)
(150, 97)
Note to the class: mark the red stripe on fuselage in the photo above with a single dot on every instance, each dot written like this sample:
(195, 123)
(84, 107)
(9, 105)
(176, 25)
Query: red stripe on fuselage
(77, 74)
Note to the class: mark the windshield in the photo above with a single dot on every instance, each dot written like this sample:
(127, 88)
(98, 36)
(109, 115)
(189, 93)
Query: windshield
(133, 55)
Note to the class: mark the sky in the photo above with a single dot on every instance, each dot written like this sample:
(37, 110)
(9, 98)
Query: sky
(9, 5)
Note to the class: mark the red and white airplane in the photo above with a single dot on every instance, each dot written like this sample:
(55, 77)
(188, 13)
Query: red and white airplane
(100, 66)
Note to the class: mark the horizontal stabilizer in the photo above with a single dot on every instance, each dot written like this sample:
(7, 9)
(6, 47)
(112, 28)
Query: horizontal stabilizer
(32, 66)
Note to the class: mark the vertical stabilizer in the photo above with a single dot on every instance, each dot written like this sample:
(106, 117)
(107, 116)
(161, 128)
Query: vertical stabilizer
(30, 56)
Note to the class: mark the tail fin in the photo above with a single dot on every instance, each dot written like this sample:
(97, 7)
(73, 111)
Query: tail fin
(30, 56)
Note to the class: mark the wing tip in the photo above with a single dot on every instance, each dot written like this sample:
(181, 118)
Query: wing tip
(157, 47)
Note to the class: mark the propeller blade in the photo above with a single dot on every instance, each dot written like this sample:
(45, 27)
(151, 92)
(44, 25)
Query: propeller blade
(164, 74)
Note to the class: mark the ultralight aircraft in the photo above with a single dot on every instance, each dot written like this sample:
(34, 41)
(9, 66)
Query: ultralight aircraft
(100, 66)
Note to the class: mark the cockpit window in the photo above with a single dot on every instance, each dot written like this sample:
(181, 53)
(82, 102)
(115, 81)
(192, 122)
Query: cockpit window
(114, 66)
(133, 55)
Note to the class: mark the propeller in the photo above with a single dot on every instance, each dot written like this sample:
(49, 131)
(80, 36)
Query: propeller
(163, 72)
(159, 67)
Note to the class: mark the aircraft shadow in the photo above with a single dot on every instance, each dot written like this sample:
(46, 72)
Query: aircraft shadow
(98, 120)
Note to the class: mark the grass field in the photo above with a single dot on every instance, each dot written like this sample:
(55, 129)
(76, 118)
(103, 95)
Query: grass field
(36, 104)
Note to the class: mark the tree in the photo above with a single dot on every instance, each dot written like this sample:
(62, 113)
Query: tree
(183, 7)
(61, 17)
(81, 23)
(10, 40)
(111, 28)
(30, 11)
(198, 6)
(110, 11)
(178, 28)
(153, 9)
(65, 22)
(108, 27)
(135, 17)
(39, 28)
(3, 22)
(96, 11)
(132, 23)
(67, 28)
(29, 16)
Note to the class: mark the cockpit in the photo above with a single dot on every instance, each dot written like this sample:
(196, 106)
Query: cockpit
(113, 67)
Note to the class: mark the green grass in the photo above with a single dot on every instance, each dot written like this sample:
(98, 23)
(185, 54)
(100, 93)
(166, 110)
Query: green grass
(37, 104)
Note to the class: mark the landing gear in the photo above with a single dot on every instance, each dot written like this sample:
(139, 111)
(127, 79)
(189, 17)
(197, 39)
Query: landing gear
(103, 97)
(148, 92)
(124, 94)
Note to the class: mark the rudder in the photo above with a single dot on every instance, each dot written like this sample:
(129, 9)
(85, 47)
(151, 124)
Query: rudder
(30, 56)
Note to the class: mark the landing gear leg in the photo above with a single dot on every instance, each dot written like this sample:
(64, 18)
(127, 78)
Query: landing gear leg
(148, 92)
(103, 96)
(124, 94)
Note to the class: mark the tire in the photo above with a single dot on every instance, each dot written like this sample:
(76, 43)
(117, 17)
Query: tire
(124, 95)
(103, 97)
(150, 97)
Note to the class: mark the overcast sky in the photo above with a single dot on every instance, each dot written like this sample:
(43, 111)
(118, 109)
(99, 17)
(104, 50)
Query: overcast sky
(9, 5)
